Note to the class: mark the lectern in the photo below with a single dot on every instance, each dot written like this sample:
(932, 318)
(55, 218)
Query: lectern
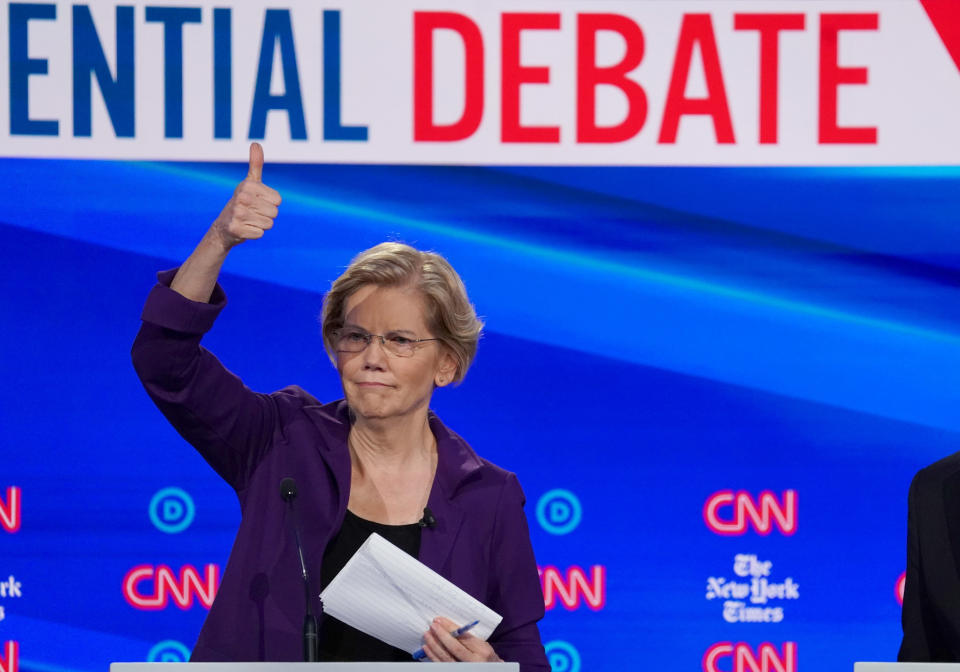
(312, 667)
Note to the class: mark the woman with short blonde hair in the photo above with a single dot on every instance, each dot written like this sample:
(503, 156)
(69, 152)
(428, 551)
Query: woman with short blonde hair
(397, 324)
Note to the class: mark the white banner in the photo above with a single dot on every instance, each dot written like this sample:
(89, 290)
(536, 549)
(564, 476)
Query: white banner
(785, 82)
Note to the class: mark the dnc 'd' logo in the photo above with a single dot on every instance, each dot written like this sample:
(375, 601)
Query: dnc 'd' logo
(734, 513)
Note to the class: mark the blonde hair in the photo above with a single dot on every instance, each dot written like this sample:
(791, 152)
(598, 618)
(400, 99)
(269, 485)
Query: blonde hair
(450, 316)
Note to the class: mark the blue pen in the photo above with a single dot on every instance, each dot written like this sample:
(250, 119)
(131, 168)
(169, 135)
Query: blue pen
(420, 654)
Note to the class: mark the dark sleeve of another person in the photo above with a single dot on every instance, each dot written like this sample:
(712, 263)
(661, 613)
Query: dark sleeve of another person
(919, 633)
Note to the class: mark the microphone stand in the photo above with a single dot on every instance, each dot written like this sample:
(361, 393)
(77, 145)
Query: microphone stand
(288, 491)
(310, 637)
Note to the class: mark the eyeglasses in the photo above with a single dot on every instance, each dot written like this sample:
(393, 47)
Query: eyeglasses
(357, 340)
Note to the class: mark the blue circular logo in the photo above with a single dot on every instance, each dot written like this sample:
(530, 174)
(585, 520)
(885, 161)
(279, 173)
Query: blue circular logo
(172, 510)
(168, 651)
(562, 656)
(559, 512)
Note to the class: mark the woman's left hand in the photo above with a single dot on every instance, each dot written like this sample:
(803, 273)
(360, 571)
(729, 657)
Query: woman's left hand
(442, 647)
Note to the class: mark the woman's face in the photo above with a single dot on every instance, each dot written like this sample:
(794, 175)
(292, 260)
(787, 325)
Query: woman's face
(377, 383)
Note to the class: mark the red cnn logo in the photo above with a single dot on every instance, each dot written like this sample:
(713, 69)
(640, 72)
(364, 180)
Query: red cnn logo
(766, 658)
(10, 658)
(166, 584)
(573, 586)
(900, 587)
(762, 514)
(10, 511)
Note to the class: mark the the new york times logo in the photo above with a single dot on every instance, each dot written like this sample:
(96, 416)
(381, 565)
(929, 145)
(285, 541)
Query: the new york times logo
(758, 589)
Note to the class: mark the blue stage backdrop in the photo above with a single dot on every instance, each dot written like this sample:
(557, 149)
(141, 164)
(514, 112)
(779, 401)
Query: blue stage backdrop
(715, 408)
(716, 352)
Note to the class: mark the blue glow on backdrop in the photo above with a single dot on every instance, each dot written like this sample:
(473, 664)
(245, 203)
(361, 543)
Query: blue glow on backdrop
(659, 341)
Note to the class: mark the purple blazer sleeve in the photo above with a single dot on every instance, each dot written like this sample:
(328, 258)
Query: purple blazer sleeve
(515, 587)
(212, 409)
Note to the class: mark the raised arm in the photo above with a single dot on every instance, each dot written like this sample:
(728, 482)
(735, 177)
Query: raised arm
(210, 407)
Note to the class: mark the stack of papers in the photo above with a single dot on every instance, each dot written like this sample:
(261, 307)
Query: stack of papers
(392, 596)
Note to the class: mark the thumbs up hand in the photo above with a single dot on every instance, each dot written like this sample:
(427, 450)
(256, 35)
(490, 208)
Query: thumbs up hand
(252, 208)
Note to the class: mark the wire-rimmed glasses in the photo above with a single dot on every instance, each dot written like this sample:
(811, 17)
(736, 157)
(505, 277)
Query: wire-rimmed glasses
(354, 339)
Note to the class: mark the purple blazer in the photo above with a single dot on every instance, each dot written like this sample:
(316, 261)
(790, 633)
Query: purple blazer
(481, 541)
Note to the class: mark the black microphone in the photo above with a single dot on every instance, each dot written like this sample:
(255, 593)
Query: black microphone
(288, 491)
(428, 520)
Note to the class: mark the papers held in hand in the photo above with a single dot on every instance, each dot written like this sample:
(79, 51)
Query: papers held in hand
(392, 596)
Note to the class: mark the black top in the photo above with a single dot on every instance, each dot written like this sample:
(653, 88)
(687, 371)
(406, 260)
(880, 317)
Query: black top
(340, 642)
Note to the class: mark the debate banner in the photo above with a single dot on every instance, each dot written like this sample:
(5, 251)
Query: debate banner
(715, 246)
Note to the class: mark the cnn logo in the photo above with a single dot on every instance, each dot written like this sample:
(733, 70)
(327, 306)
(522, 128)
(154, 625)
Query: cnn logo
(575, 587)
(10, 510)
(166, 586)
(733, 513)
(766, 657)
(9, 657)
